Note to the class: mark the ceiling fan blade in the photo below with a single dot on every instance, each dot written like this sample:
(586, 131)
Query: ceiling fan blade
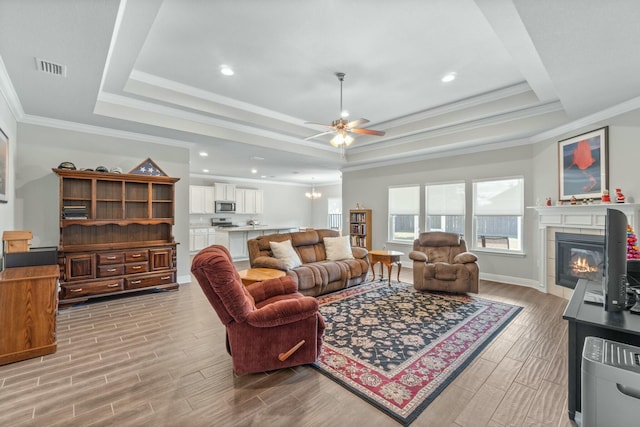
(318, 134)
(367, 131)
(357, 123)
(318, 124)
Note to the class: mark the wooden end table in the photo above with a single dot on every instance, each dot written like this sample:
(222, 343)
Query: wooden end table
(388, 258)
(253, 275)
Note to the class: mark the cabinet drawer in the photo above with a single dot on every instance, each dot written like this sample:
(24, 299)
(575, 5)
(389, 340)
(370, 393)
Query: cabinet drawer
(135, 256)
(94, 288)
(111, 258)
(143, 282)
(138, 267)
(110, 270)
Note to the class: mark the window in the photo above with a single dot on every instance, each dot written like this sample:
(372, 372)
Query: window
(334, 208)
(404, 209)
(498, 208)
(445, 207)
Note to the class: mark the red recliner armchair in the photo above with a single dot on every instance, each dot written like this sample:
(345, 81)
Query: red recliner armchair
(270, 325)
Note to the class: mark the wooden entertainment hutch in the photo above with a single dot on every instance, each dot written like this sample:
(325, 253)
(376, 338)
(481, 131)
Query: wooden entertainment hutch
(116, 234)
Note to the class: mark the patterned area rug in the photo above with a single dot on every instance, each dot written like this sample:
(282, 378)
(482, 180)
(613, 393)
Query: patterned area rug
(399, 348)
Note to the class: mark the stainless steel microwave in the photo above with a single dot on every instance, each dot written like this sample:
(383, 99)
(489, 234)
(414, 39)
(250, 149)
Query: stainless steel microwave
(225, 207)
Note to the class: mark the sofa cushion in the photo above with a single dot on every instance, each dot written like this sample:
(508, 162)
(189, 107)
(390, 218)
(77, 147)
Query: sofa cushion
(284, 251)
(338, 248)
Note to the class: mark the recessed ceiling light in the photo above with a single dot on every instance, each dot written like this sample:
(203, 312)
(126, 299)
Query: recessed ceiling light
(205, 170)
(263, 176)
(254, 170)
(257, 158)
(204, 153)
(449, 77)
(226, 70)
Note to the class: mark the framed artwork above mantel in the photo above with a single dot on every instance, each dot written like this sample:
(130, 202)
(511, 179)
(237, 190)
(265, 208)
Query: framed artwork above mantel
(583, 170)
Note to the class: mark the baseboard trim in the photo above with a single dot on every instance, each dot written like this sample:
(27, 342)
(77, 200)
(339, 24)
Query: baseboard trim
(514, 281)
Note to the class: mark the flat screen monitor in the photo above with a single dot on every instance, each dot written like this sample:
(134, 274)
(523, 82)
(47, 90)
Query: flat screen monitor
(614, 279)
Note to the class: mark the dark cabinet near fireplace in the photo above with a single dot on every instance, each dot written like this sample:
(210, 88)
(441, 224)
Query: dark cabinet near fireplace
(578, 256)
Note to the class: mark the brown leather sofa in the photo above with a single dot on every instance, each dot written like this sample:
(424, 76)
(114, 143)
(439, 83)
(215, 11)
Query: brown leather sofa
(441, 263)
(316, 275)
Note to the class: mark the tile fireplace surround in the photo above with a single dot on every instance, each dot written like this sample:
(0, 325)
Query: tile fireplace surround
(580, 219)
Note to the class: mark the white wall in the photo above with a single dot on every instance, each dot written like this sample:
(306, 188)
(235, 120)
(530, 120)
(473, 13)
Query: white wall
(37, 187)
(8, 126)
(538, 163)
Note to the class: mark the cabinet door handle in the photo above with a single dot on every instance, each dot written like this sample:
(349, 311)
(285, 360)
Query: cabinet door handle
(136, 267)
(111, 257)
(114, 285)
(136, 255)
(135, 282)
(76, 290)
(111, 270)
(165, 278)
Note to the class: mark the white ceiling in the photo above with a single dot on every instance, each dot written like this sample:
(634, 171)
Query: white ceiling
(150, 69)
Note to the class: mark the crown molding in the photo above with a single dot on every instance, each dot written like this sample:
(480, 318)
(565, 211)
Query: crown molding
(460, 126)
(173, 86)
(616, 110)
(261, 181)
(463, 104)
(438, 153)
(9, 93)
(165, 111)
(102, 131)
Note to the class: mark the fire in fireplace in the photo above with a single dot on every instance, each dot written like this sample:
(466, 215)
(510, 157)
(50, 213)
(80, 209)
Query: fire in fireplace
(578, 256)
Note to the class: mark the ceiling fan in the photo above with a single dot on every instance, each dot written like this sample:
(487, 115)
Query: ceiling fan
(342, 127)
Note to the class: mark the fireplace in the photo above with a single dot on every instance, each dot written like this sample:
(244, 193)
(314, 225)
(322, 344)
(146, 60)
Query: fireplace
(578, 256)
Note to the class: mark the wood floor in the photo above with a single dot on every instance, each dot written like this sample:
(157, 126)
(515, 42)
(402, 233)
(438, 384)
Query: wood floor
(159, 359)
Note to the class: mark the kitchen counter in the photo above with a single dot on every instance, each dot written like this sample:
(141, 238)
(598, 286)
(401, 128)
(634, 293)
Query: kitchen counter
(235, 238)
(254, 228)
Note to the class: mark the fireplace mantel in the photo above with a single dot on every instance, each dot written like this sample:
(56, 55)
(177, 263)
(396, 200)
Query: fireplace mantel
(583, 216)
(585, 219)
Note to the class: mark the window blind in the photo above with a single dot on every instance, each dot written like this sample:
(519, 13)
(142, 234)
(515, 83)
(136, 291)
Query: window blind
(445, 199)
(500, 197)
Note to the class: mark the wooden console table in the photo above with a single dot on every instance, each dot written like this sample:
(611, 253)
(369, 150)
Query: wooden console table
(29, 302)
(591, 320)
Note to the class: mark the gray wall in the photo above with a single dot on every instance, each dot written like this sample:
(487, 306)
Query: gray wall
(369, 187)
(8, 126)
(37, 192)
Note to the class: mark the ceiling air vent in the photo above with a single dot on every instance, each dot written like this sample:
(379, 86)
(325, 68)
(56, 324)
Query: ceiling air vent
(51, 67)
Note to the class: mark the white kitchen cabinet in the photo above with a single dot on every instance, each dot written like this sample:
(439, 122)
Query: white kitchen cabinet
(211, 236)
(201, 237)
(240, 202)
(249, 201)
(238, 245)
(225, 192)
(201, 199)
(197, 239)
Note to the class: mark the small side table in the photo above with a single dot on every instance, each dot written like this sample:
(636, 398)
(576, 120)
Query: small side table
(388, 258)
(253, 275)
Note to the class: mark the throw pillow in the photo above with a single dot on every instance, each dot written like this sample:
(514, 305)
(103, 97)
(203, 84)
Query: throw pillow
(285, 252)
(337, 248)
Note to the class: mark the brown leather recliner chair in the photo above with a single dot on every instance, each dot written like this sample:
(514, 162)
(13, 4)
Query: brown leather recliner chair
(265, 321)
(441, 263)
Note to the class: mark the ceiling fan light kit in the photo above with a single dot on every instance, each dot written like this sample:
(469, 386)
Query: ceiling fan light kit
(341, 127)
